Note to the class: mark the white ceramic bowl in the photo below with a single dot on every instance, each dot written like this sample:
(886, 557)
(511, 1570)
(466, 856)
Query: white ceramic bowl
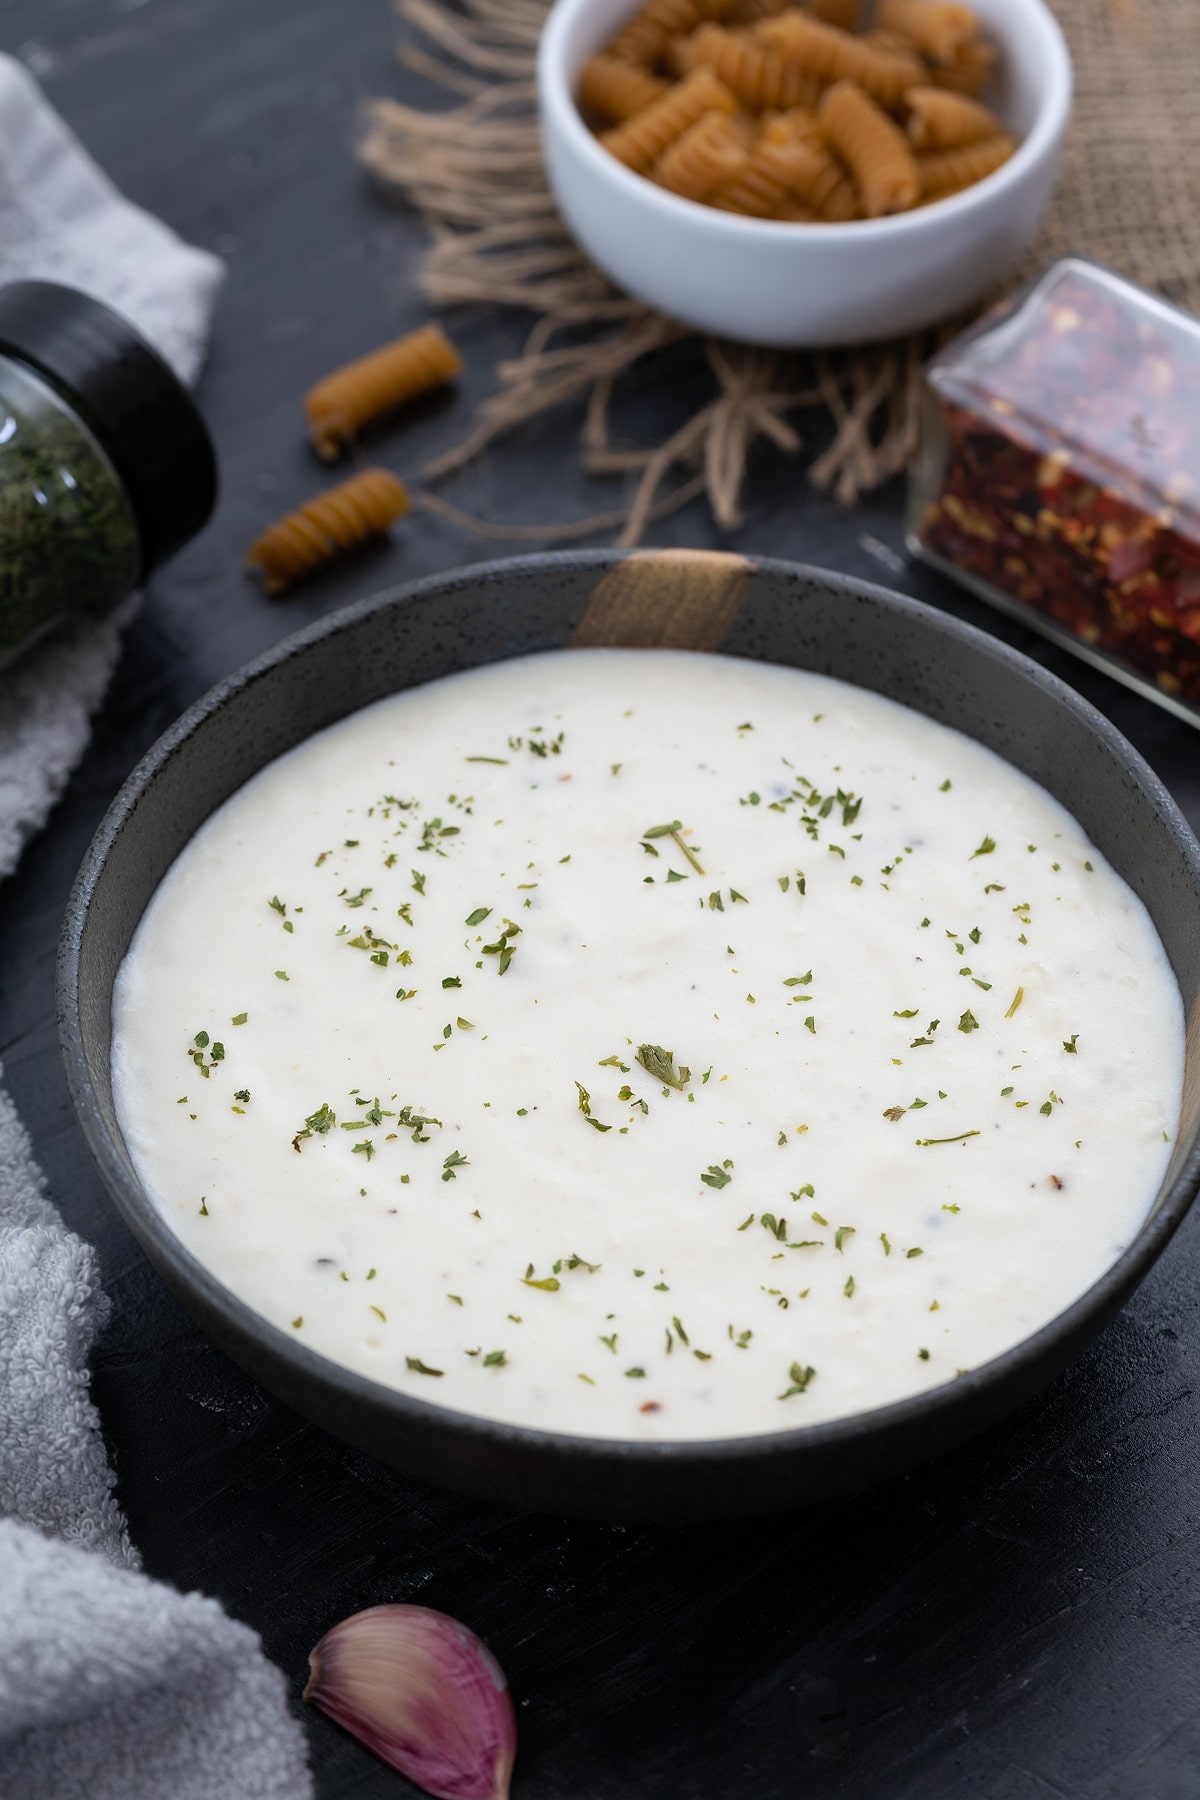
(766, 282)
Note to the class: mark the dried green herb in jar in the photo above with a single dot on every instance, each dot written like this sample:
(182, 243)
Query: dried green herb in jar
(105, 465)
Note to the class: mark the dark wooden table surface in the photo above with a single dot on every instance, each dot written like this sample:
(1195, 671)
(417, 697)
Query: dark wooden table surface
(1019, 1621)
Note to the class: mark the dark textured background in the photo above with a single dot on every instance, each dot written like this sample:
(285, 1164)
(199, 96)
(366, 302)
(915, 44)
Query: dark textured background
(1019, 1621)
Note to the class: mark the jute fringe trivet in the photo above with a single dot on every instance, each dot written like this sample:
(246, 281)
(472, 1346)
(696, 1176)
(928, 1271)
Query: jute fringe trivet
(1129, 195)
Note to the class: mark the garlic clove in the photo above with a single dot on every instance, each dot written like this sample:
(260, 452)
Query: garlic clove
(423, 1693)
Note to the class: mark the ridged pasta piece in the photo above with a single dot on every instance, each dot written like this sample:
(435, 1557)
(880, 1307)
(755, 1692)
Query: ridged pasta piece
(761, 78)
(641, 140)
(644, 39)
(829, 190)
(842, 13)
(890, 41)
(749, 12)
(970, 71)
(938, 120)
(679, 57)
(384, 381)
(938, 28)
(614, 91)
(766, 187)
(818, 178)
(710, 152)
(949, 171)
(873, 147)
(326, 527)
(833, 55)
(797, 125)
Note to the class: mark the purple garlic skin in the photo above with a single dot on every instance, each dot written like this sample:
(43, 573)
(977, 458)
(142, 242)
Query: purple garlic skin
(425, 1694)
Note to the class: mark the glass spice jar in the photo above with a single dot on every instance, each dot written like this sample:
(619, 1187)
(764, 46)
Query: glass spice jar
(1058, 476)
(106, 468)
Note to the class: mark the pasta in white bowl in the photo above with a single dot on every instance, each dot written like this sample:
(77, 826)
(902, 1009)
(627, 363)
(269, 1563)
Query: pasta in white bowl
(745, 178)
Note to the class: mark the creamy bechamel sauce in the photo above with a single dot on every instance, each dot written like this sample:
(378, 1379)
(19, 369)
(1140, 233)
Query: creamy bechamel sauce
(379, 1047)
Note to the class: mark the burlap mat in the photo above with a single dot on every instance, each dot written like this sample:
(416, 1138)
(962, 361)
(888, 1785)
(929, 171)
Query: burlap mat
(1129, 194)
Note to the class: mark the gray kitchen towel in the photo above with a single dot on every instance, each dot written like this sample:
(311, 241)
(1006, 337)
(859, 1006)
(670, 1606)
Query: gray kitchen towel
(112, 1686)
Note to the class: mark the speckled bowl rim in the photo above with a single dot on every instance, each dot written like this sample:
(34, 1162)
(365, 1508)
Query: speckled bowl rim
(951, 1397)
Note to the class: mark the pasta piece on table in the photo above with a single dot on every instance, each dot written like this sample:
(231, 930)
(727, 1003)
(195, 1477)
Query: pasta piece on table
(940, 120)
(833, 55)
(939, 28)
(389, 378)
(761, 78)
(949, 171)
(640, 141)
(613, 91)
(710, 152)
(325, 527)
(873, 147)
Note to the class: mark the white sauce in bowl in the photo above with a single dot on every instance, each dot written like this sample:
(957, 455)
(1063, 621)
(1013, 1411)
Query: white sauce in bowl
(933, 1046)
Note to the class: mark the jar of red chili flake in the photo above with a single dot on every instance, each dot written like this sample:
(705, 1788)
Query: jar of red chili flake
(1059, 474)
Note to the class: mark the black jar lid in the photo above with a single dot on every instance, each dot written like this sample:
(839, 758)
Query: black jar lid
(139, 410)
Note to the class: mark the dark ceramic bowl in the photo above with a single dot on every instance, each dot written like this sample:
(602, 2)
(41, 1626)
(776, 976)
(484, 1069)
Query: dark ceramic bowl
(771, 611)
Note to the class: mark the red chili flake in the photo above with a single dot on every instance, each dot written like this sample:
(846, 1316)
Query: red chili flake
(650, 1406)
(1068, 486)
